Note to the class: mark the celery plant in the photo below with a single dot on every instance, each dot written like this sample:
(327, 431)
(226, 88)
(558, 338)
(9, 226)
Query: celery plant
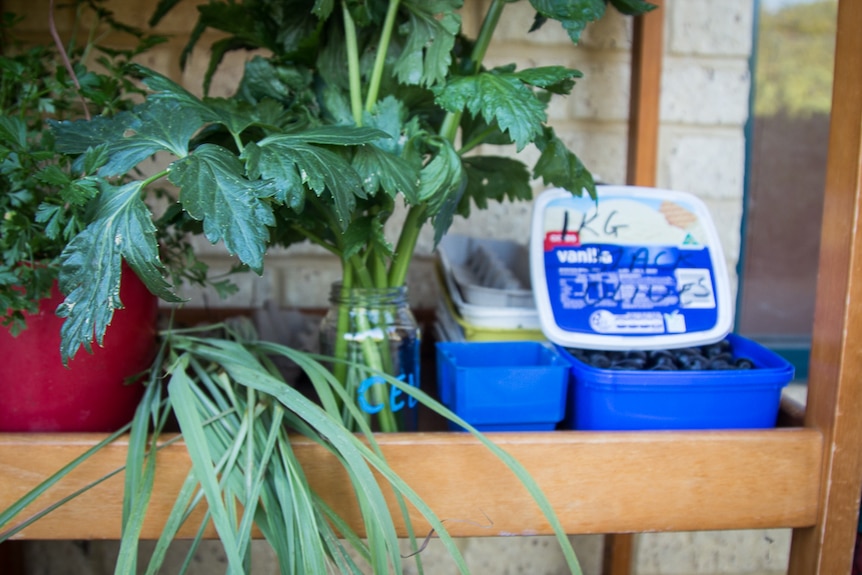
(360, 104)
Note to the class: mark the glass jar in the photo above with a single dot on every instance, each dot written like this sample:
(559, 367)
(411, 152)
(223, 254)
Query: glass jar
(369, 331)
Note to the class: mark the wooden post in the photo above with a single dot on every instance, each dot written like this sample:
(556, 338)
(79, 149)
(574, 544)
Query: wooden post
(618, 554)
(645, 97)
(644, 106)
(835, 391)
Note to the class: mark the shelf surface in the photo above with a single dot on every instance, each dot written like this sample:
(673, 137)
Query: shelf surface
(607, 482)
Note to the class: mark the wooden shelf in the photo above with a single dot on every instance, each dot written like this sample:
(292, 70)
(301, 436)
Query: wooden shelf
(597, 482)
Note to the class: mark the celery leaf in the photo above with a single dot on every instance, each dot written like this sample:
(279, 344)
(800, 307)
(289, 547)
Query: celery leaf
(558, 166)
(493, 178)
(500, 97)
(131, 137)
(214, 190)
(91, 266)
(430, 35)
(574, 15)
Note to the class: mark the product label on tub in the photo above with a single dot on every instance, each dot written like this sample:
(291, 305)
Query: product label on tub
(628, 265)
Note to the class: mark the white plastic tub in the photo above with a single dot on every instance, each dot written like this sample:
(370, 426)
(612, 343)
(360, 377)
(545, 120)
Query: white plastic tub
(488, 273)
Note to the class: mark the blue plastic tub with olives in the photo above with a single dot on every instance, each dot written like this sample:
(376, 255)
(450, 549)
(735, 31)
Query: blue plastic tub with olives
(733, 384)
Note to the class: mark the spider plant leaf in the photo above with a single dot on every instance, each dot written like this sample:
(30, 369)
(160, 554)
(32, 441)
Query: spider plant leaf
(139, 480)
(242, 366)
(191, 424)
(375, 458)
(185, 501)
(20, 504)
(333, 524)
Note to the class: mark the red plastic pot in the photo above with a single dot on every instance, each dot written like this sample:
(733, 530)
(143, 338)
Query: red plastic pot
(39, 393)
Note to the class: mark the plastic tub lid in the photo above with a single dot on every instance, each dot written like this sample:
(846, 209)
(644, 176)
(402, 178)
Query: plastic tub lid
(638, 268)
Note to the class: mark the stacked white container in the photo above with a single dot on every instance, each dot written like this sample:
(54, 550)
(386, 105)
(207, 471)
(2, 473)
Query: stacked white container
(485, 292)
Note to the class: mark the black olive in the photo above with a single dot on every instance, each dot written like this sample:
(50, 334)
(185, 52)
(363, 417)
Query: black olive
(657, 353)
(578, 354)
(712, 350)
(720, 364)
(616, 356)
(693, 362)
(662, 362)
(744, 363)
(716, 356)
(599, 360)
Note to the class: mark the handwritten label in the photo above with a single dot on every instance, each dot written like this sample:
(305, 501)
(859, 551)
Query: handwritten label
(628, 266)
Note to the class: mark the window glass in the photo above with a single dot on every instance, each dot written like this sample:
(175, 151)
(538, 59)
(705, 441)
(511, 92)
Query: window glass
(788, 141)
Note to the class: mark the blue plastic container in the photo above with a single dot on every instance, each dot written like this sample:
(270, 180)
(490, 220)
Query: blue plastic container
(503, 386)
(606, 399)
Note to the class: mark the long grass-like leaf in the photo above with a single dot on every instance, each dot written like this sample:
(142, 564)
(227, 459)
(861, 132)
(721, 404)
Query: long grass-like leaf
(240, 363)
(511, 462)
(190, 554)
(139, 479)
(523, 476)
(184, 503)
(343, 561)
(8, 534)
(182, 401)
(258, 471)
(326, 384)
(13, 510)
(278, 496)
(311, 550)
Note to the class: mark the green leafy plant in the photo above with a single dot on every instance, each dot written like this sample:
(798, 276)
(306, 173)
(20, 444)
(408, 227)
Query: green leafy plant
(47, 197)
(45, 201)
(359, 105)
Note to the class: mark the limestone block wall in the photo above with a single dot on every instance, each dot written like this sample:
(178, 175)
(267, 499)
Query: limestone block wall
(704, 107)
